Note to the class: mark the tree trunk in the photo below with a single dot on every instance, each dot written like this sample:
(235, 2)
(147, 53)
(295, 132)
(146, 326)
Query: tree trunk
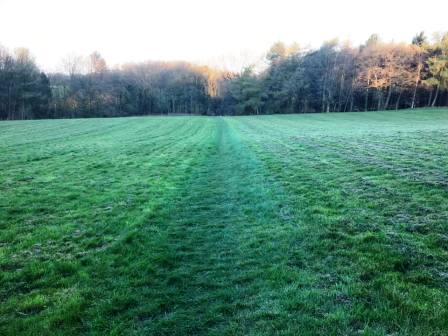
(436, 96)
(417, 80)
(366, 100)
(9, 102)
(380, 100)
(397, 104)
(429, 99)
(349, 99)
(414, 94)
(389, 94)
(341, 90)
(323, 100)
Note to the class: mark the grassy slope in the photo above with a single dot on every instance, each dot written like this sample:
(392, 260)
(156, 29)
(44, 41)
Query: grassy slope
(310, 224)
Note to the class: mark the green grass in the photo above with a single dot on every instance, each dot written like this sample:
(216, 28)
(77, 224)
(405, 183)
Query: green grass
(318, 224)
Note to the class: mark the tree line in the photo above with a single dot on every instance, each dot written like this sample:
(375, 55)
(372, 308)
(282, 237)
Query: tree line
(336, 77)
(25, 91)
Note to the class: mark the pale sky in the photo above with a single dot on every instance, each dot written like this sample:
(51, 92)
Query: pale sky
(203, 30)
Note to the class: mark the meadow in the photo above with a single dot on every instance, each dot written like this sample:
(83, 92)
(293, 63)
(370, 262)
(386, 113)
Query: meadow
(313, 224)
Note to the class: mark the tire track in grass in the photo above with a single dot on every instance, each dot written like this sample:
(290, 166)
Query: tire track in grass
(228, 240)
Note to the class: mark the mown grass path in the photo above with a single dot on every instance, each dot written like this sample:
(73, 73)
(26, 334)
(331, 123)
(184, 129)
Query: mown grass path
(224, 237)
(314, 224)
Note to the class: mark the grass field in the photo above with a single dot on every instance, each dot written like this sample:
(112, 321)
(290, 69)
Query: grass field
(320, 224)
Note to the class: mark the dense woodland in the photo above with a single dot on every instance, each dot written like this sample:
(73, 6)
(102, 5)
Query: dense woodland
(336, 77)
